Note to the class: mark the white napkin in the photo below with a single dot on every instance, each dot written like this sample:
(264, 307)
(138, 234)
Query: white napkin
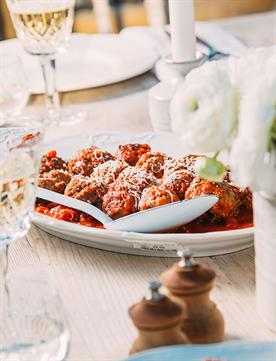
(219, 38)
(158, 37)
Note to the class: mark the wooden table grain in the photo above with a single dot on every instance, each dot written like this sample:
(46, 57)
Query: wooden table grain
(97, 287)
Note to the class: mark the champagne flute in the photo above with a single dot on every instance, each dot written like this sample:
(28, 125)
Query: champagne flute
(44, 28)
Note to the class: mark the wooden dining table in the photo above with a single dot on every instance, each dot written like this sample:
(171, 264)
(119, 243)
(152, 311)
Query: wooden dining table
(97, 287)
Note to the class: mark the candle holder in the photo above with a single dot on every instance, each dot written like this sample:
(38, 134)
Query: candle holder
(183, 68)
(160, 96)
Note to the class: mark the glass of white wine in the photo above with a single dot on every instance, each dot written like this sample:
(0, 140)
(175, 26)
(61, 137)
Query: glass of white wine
(44, 28)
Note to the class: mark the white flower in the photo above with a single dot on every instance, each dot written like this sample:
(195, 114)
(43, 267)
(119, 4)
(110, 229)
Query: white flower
(253, 145)
(243, 71)
(204, 109)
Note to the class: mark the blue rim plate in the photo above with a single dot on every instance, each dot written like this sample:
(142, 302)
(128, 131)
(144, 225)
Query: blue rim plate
(226, 351)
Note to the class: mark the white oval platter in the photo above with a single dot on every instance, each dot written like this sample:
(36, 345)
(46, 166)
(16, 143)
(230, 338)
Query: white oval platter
(89, 61)
(166, 245)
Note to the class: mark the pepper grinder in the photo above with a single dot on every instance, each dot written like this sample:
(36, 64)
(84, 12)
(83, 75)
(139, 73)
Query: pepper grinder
(158, 320)
(189, 284)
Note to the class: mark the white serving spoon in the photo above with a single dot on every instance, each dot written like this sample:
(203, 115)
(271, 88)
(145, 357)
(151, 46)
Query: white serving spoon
(156, 219)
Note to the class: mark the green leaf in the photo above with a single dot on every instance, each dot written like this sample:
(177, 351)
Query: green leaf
(210, 169)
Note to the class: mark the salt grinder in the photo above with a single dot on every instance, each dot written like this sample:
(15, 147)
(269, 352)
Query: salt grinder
(190, 284)
(158, 320)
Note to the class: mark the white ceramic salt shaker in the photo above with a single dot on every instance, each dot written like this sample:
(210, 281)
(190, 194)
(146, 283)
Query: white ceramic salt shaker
(160, 97)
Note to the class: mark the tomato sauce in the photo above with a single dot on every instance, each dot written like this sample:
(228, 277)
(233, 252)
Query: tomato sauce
(67, 214)
(243, 220)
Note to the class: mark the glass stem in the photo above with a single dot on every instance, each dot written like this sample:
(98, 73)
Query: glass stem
(52, 101)
(4, 267)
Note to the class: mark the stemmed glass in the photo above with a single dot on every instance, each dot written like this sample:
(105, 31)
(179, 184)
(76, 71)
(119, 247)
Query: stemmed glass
(33, 326)
(32, 322)
(19, 157)
(14, 93)
(44, 28)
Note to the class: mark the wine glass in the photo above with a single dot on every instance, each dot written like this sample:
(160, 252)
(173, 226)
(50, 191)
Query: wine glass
(44, 28)
(33, 326)
(14, 93)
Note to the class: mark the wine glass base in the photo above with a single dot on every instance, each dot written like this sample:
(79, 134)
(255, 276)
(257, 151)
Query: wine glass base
(32, 323)
(67, 116)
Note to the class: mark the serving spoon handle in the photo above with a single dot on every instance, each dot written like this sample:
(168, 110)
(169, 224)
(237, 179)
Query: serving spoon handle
(73, 203)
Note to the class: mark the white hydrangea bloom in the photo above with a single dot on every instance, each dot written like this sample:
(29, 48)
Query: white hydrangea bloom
(243, 71)
(204, 109)
(252, 148)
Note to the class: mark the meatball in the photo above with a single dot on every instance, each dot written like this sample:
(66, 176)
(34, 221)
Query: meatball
(131, 153)
(186, 163)
(155, 196)
(86, 189)
(51, 161)
(228, 203)
(56, 180)
(137, 178)
(120, 200)
(178, 182)
(245, 196)
(109, 171)
(86, 160)
(152, 163)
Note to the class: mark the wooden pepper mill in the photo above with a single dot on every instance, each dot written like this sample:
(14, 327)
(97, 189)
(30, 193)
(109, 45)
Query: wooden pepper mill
(158, 320)
(189, 284)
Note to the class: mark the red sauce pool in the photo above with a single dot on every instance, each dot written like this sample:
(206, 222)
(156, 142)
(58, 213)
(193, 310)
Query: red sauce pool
(67, 214)
(243, 220)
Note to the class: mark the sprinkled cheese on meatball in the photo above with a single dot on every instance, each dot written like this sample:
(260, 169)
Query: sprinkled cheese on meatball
(109, 171)
(121, 200)
(131, 153)
(156, 196)
(56, 180)
(153, 162)
(178, 182)
(228, 203)
(186, 163)
(51, 161)
(86, 189)
(86, 160)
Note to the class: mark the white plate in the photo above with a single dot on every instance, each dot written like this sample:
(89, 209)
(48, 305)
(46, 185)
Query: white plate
(89, 61)
(203, 244)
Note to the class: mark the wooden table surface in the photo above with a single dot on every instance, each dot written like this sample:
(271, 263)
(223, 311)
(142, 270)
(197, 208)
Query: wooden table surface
(97, 287)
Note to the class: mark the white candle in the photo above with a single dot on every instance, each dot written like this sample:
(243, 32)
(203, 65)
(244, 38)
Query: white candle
(182, 21)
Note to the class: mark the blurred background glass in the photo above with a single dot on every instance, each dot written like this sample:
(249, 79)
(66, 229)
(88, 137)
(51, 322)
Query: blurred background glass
(14, 92)
(33, 326)
(94, 16)
(44, 28)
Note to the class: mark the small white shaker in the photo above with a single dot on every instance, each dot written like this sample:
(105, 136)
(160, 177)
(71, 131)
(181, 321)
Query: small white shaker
(160, 97)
